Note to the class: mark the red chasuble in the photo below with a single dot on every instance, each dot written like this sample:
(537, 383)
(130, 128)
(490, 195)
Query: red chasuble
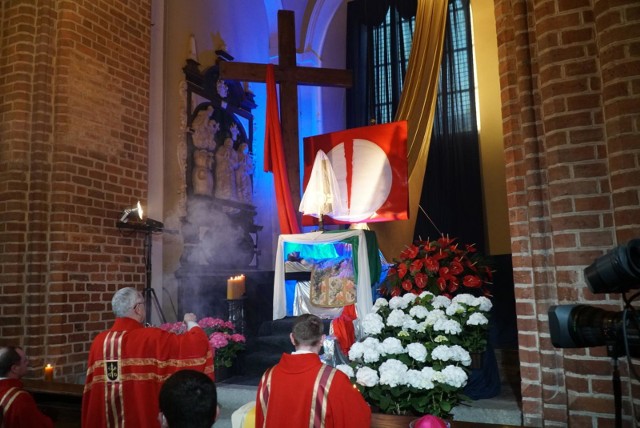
(20, 409)
(127, 366)
(301, 391)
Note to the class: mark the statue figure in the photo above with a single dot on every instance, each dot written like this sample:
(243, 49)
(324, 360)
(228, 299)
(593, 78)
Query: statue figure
(244, 174)
(226, 165)
(202, 175)
(203, 129)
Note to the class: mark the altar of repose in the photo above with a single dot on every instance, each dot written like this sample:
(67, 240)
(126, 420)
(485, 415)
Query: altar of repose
(362, 256)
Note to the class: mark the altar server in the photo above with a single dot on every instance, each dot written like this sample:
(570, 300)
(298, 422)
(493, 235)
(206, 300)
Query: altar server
(301, 391)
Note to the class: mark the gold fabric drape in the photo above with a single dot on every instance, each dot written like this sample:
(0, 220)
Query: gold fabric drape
(417, 107)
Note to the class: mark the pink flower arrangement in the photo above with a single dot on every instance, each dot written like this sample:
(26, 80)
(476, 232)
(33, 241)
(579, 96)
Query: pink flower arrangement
(224, 341)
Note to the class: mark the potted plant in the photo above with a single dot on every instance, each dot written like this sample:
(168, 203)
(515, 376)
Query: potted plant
(224, 341)
(414, 356)
(441, 267)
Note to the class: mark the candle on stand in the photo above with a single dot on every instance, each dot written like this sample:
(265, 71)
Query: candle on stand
(235, 287)
(48, 373)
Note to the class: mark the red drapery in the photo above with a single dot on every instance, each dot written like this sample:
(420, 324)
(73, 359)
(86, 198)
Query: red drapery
(274, 159)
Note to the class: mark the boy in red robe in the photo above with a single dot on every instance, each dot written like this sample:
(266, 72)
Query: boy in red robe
(17, 405)
(300, 388)
(128, 364)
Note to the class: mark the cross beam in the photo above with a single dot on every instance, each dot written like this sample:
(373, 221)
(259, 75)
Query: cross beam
(288, 75)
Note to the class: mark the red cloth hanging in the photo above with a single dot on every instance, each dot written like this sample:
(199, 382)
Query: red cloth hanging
(274, 160)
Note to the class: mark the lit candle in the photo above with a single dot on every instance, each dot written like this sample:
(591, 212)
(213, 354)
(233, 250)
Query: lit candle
(229, 288)
(48, 373)
(241, 288)
(235, 287)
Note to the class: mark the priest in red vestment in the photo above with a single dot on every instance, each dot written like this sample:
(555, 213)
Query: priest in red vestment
(17, 405)
(300, 388)
(128, 364)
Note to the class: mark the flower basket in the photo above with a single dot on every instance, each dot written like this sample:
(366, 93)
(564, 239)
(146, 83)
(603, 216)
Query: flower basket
(381, 420)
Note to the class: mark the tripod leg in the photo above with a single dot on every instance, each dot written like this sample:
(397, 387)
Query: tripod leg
(151, 301)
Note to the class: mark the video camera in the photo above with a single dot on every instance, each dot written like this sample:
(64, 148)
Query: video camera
(578, 326)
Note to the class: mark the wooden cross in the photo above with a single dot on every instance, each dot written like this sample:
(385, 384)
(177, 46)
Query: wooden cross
(289, 76)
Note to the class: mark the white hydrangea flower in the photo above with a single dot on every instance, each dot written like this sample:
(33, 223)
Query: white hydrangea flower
(442, 353)
(393, 373)
(477, 318)
(366, 376)
(464, 298)
(434, 316)
(448, 326)
(455, 308)
(428, 373)
(458, 353)
(410, 324)
(419, 380)
(484, 304)
(454, 376)
(417, 351)
(440, 302)
(371, 350)
(381, 302)
(397, 302)
(370, 355)
(419, 312)
(346, 369)
(392, 345)
(372, 324)
(396, 318)
(371, 342)
(409, 298)
(356, 351)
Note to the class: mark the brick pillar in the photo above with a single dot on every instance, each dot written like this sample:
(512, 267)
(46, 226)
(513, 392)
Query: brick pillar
(74, 94)
(568, 127)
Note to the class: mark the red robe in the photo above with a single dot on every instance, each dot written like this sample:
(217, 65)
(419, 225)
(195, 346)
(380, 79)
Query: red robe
(289, 398)
(20, 409)
(127, 366)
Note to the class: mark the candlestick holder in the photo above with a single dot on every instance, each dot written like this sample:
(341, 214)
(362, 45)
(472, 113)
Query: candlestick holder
(236, 313)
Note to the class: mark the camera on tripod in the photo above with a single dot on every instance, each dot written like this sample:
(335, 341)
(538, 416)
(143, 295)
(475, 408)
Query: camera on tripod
(579, 326)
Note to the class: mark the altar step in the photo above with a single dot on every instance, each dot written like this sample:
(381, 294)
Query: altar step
(266, 349)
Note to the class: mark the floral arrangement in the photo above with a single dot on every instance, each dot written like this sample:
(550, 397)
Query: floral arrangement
(415, 354)
(224, 341)
(441, 267)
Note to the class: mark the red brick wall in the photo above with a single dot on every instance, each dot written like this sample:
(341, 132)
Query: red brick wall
(74, 82)
(571, 108)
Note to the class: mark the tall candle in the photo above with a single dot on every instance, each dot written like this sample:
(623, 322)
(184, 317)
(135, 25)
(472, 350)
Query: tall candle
(235, 287)
(48, 373)
(230, 288)
(241, 288)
